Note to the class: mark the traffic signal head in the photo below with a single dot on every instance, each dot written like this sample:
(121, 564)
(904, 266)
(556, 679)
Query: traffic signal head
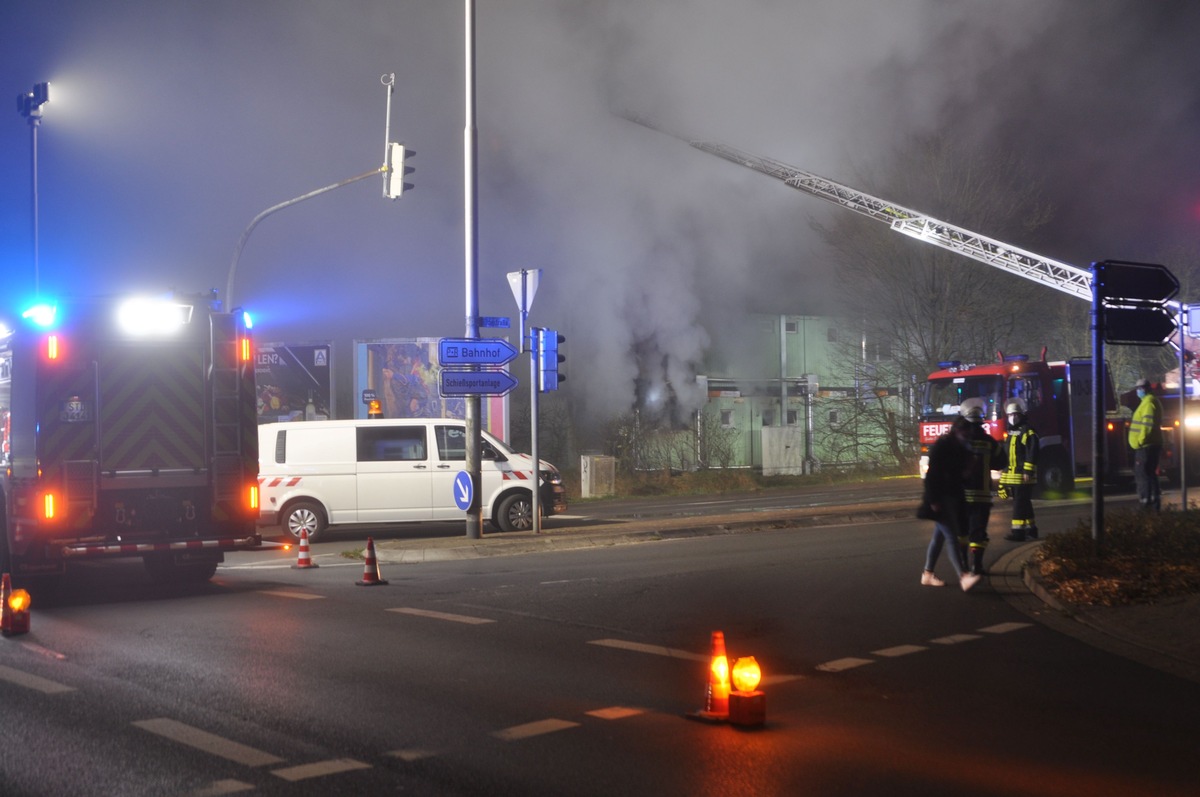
(549, 358)
(397, 169)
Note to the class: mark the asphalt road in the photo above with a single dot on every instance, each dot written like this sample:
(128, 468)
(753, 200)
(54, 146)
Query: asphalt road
(572, 672)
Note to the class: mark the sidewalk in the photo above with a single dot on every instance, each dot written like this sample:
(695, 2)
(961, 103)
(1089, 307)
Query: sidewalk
(1165, 636)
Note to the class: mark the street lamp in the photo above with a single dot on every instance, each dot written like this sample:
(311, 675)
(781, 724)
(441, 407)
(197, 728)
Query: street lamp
(30, 105)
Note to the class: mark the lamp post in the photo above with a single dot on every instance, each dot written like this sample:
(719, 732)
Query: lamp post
(30, 105)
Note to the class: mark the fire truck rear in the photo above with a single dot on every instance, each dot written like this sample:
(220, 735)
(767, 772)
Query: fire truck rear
(1058, 396)
(129, 430)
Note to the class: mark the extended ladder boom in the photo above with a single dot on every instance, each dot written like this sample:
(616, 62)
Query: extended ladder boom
(1053, 273)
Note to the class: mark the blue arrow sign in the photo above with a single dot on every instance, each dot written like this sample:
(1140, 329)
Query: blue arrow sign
(462, 490)
(475, 351)
(476, 383)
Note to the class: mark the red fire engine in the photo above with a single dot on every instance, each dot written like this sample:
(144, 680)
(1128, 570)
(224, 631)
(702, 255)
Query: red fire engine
(129, 430)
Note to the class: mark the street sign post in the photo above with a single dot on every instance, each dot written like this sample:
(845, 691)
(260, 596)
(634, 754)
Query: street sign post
(1138, 326)
(476, 383)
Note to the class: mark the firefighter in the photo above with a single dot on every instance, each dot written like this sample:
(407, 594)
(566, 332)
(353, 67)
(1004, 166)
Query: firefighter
(1020, 471)
(986, 455)
(1146, 439)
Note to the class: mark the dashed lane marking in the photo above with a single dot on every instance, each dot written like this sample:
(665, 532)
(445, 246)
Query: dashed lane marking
(229, 786)
(899, 650)
(615, 712)
(530, 729)
(1004, 628)
(454, 618)
(839, 665)
(30, 681)
(319, 769)
(657, 650)
(208, 742)
(414, 754)
(41, 651)
(283, 593)
(955, 639)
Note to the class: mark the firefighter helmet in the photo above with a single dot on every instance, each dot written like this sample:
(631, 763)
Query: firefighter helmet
(972, 409)
(1014, 406)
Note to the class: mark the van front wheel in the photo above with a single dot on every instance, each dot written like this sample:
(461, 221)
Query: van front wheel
(516, 513)
(304, 516)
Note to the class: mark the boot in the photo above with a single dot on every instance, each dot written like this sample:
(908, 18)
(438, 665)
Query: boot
(977, 561)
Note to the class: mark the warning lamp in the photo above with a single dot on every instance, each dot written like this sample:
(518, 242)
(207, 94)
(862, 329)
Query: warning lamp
(52, 349)
(14, 608)
(374, 409)
(252, 497)
(245, 351)
(48, 506)
(747, 706)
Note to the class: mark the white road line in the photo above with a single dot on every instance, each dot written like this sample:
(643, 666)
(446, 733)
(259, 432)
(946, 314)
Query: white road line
(53, 654)
(30, 681)
(616, 712)
(207, 742)
(899, 650)
(319, 768)
(221, 787)
(529, 729)
(657, 650)
(414, 754)
(1004, 628)
(838, 665)
(283, 593)
(955, 639)
(454, 618)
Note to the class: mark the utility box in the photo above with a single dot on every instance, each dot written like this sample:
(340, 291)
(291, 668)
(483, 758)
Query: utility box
(597, 475)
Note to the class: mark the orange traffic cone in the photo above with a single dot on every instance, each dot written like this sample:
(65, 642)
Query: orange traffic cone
(370, 567)
(716, 692)
(303, 560)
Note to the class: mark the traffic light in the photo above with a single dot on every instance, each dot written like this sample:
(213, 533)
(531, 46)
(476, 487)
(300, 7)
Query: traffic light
(549, 359)
(397, 170)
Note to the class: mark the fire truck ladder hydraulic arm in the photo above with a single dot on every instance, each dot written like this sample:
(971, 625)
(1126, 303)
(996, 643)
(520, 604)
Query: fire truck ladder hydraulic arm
(1055, 274)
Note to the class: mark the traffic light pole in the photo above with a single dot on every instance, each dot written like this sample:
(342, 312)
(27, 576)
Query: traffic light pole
(535, 357)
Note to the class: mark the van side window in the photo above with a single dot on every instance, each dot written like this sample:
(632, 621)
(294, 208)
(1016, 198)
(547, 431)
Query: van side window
(391, 443)
(451, 442)
(281, 446)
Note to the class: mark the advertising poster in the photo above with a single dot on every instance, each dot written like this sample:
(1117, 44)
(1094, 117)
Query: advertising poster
(294, 381)
(404, 373)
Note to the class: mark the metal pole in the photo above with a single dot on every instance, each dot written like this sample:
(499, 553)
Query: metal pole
(388, 80)
(535, 353)
(471, 265)
(34, 122)
(1098, 425)
(1182, 325)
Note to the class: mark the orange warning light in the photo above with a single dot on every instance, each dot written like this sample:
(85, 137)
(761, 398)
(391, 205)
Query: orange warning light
(48, 506)
(746, 674)
(252, 497)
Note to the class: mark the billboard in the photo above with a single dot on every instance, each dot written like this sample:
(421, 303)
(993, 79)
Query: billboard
(294, 381)
(404, 373)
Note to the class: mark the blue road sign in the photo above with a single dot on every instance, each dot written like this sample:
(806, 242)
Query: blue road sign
(475, 351)
(476, 383)
(495, 322)
(463, 490)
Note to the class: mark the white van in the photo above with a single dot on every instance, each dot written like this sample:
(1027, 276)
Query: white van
(314, 474)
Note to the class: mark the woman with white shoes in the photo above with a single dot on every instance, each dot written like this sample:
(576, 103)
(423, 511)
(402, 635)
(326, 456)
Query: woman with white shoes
(944, 502)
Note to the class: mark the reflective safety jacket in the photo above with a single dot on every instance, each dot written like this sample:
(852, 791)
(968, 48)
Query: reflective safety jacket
(986, 455)
(1021, 448)
(1145, 428)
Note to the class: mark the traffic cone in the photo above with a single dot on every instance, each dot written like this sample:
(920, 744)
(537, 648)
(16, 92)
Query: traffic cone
(303, 560)
(370, 567)
(716, 691)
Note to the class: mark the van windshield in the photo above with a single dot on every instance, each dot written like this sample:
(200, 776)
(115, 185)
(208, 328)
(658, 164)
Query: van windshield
(498, 444)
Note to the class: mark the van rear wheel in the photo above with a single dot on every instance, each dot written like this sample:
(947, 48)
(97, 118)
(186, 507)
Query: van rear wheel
(516, 513)
(304, 516)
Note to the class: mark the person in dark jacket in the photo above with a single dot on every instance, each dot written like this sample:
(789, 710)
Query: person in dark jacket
(949, 459)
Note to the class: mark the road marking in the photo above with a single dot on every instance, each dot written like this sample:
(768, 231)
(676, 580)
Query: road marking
(838, 665)
(657, 650)
(415, 754)
(454, 618)
(54, 654)
(1004, 628)
(319, 768)
(229, 786)
(283, 593)
(954, 639)
(616, 712)
(30, 681)
(530, 729)
(207, 742)
(899, 650)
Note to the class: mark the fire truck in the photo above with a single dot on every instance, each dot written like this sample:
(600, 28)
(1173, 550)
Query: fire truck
(1058, 396)
(129, 429)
